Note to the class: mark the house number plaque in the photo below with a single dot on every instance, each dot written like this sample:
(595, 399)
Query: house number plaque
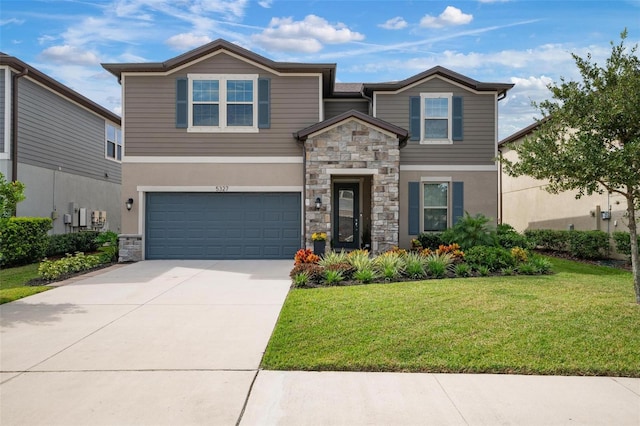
(222, 188)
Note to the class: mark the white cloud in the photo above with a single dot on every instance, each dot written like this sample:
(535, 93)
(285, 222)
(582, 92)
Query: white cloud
(4, 22)
(187, 41)
(231, 9)
(450, 16)
(396, 23)
(308, 35)
(66, 54)
(265, 3)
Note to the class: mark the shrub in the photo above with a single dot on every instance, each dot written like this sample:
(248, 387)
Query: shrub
(333, 277)
(540, 264)
(333, 258)
(508, 237)
(437, 265)
(61, 244)
(360, 259)
(528, 268)
(483, 271)
(305, 256)
(344, 268)
(507, 271)
(623, 242)
(108, 246)
(462, 270)
(390, 265)
(23, 240)
(54, 269)
(519, 254)
(365, 275)
(415, 265)
(314, 271)
(471, 231)
(431, 240)
(494, 258)
(588, 244)
(452, 249)
(548, 239)
(301, 279)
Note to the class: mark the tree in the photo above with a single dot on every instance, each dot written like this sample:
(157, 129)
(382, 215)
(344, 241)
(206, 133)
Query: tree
(589, 138)
(11, 193)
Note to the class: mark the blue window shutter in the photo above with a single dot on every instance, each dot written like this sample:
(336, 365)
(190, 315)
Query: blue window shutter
(264, 99)
(414, 117)
(458, 201)
(457, 118)
(182, 103)
(414, 208)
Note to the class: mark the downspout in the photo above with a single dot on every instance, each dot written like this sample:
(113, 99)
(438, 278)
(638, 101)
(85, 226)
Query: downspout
(14, 123)
(304, 191)
(500, 186)
(369, 99)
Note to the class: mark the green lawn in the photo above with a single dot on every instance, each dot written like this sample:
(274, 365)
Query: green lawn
(13, 283)
(581, 321)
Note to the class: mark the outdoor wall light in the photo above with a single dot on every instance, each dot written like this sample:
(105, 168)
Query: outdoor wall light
(129, 203)
(318, 203)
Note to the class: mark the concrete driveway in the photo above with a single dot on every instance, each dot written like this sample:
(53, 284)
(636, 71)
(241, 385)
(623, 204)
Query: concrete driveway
(156, 342)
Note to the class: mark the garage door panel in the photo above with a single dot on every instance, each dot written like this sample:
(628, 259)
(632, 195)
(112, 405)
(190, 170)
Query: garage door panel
(222, 225)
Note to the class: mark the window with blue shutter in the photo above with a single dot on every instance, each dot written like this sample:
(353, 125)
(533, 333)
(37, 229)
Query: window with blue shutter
(414, 208)
(458, 201)
(414, 117)
(457, 129)
(182, 103)
(264, 100)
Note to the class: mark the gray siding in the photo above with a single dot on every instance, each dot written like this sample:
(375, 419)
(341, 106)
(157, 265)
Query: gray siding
(333, 107)
(150, 108)
(2, 123)
(55, 133)
(479, 121)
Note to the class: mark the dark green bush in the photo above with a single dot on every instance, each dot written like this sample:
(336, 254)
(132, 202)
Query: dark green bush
(581, 244)
(71, 243)
(508, 237)
(108, 246)
(431, 240)
(471, 231)
(548, 239)
(623, 242)
(588, 244)
(493, 258)
(23, 240)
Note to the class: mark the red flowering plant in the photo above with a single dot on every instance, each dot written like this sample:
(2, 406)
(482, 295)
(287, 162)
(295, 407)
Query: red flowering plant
(305, 256)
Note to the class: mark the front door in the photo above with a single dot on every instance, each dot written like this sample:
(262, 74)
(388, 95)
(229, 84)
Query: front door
(346, 231)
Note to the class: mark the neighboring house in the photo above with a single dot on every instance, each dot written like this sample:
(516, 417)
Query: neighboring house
(231, 155)
(65, 148)
(526, 205)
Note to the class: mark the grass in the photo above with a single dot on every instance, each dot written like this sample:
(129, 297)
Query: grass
(581, 321)
(13, 283)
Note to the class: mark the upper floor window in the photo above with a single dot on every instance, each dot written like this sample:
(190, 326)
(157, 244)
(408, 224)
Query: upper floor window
(223, 103)
(113, 146)
(436, 117)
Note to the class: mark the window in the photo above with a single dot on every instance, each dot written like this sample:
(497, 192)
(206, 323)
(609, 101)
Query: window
(113, 146)
(222, 103)
(436, 117)
(435, 201)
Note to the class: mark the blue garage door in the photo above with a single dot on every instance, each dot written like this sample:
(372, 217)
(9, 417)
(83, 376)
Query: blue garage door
(230, 225)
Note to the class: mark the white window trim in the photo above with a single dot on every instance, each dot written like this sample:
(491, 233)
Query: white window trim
(435, 180)
(222, 102)
(118, 143)
(449, 140)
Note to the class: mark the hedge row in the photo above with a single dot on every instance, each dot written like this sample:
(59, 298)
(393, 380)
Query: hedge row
(623, 242)
(84, 242)
(23, 240)
(581, 244)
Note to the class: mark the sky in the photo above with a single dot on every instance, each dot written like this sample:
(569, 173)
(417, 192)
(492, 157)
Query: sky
(528, 43)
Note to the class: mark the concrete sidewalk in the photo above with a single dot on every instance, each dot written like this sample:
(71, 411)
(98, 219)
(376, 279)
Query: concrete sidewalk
(179, 343)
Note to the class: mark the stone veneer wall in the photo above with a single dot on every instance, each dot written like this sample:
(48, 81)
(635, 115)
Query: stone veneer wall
(354, 145)
(130, 247)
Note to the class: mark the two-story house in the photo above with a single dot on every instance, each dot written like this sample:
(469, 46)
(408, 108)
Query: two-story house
(65, 148)
(231, 155)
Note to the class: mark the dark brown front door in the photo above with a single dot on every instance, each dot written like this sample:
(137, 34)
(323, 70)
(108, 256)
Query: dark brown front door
(346, 215)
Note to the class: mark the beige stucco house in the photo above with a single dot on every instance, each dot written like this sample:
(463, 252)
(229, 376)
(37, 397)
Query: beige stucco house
(228, 154)
(526, 205)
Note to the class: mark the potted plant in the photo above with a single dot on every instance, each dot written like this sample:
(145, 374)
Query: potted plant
(319, 242)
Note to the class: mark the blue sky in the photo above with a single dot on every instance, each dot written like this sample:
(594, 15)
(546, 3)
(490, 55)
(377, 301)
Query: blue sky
(523, 42)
